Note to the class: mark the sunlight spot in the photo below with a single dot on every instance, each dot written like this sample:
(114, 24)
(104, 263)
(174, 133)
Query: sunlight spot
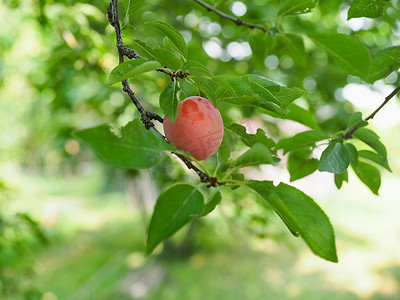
(239, 8)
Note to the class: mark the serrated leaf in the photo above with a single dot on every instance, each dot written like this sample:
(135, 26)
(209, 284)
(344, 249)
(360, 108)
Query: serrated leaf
(173, 34)
(300, 164)
(169, 100)
(294, 7)
(353, 154)
(371, 139)
(366, 8)
(383, 63)
(273, 92)
(250, 139)
(131, 68)
(164, 56)
(167, 58)
(373, 157)
(350, 54)
(301, 214)
(137, 148)
(174, 209)
(256, 155)
(257, 91)
(212, 203)
(192, 65)
(334, 159)
(205, 89)
(302, 139)
(369, 175)
(340, 178)
(143, 49)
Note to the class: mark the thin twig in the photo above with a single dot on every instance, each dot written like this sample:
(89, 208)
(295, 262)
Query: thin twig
(130, 53)
(237, 21)
(146, 116)
(350, 133)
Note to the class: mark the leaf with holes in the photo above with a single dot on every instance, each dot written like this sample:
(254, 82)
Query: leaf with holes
(294, 7)
(366, 8)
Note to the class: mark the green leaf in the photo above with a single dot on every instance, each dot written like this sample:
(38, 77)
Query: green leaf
(167, 58)
(369, 175)
(137, 148)
(257, 91)
(334, 159)
(237, 177)
(174, 209)
(126, 10)
(169, 100)
(164, 56)
(295, 45)
(349, 54)
(131, 68)
(300, 165)
(256, 155)
(371, 139)
(353, 154)
(294, 7)
(192, 65)
(372, 156)
(339, 178)
(176, 38)
(296, 113)
(302, 139)
(205, 89)
(259, 43)
(356, 120)
(143, 49)
(224, 150)
(383, 63)
(212, 203)
(301, 214)
(250, 139)
(366, 8)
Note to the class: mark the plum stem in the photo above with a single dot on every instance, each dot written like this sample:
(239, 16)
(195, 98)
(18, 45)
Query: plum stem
(146, 116)
(237, 21)
(349, 134)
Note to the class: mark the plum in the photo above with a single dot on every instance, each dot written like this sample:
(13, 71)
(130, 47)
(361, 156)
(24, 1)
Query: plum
(198, 128)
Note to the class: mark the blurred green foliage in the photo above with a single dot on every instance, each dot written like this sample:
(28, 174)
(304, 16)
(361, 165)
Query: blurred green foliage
(55, 58)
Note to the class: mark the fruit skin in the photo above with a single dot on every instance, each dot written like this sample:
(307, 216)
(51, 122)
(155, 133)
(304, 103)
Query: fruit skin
(198, 128)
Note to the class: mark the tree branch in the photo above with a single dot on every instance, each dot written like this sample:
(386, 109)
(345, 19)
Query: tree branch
(146, 116)
(237, 21)
(349, 134)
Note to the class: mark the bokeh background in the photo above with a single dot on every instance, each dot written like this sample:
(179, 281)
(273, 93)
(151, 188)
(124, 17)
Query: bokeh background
(72, 227)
